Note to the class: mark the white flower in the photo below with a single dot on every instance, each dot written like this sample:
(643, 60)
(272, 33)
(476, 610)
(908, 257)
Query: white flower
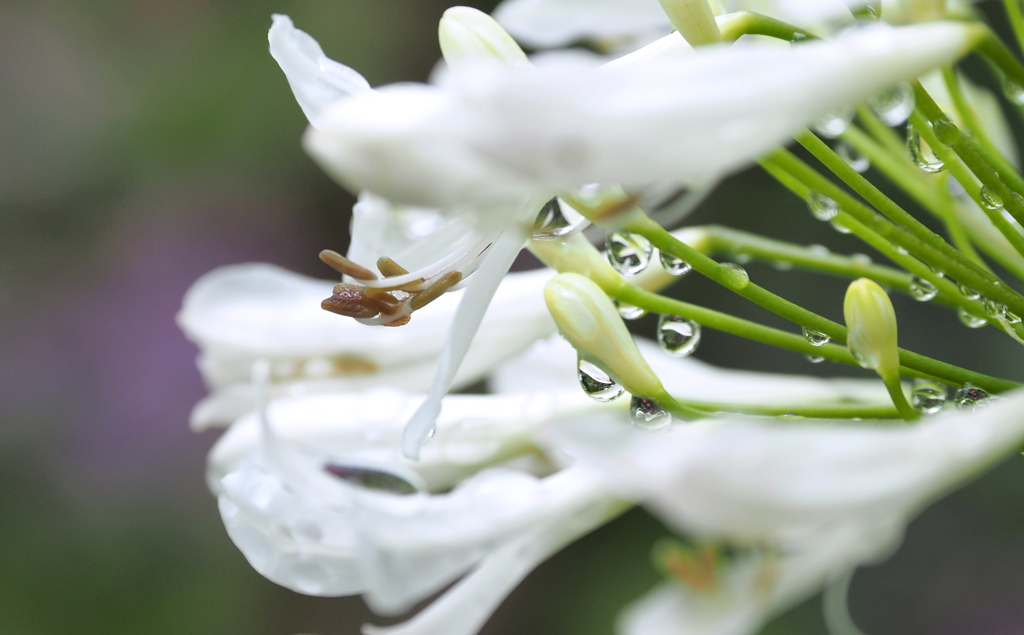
(831, 496)
(316, 494)
(491, 135)
(242, 313)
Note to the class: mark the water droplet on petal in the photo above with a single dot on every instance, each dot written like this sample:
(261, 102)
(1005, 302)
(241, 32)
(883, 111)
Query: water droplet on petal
(736, 277)
(928, 396)
(677, 335)
(1014, 91)
(597, 384)
(990, 199)
(648, 413)
(893, 106)
(822, 207)
(556, 220)
(970, 320)
(371, 478)
(852, 157)
(967, 292)
(969, 397)
(814, 359)
(628, 311)
(629, 253)
(673, 265)
(922, 290)
(946, 131)
(815, 338)
(835, 123)
(1012, 318)
(921, 153)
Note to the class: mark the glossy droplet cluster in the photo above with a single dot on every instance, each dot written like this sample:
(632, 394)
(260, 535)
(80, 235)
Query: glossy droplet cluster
(628, 253)
(596, 383)
(677, 335)
(648, 413)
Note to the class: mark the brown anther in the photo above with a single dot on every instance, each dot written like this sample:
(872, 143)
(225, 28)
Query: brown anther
(390, 268)
(435, 290)
(351, 301)
(698, 568)
(402, 321)
(341, 264)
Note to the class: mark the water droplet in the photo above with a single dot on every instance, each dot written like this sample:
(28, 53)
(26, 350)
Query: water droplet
(648, 413)
(852, 157)
(936, 271)
(1014, 91)
(673, 265)
(782, 265)
(894, 105)
(922, 290)
(816, 338)
(555, 220)
(1012, 318)
(430, 433)
(628, 311)
(839, 227)
(814, 359)
(901, 250)
(970, 320)
(857, 357)
(629, 253)
(990, 199)
(735, 276)
(994, 309)
(861, 259)
(742, 258)
(928, 396)
(677, 335)
(371, 478)
(835, 123)
(819, 250)
(822, 207)
(596, 383)
(946, 131)
(967, 292)
(969, 397)
(921, 153)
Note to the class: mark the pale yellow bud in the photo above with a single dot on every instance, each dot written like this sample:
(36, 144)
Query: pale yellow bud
(468, 35)
(575, 254)
(694, 20)
(589, 320)
(871, 324)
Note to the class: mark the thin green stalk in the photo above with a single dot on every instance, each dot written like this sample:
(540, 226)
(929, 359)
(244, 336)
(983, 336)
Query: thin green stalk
(968, 275)
(895, 388)
(725, 276)
(883, 134)
(810, 412)
(749, 23)
(999, 54)
(1016, 17)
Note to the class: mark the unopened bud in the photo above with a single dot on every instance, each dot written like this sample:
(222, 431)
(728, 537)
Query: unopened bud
(575, 254)
(468, 35)
(694, 20)
(871, 324)
(589, 320)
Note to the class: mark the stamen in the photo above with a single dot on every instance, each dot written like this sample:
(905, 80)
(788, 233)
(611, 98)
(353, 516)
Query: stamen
(341, 264)
(402, 321)
(390, 268)
(435, 290)
(351, 301)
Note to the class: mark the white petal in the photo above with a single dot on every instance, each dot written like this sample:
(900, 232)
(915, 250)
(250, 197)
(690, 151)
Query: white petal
(552, 23)
(498, 134)
(242, 313)
(800, 480)
(463, 329)
(551, 365)
(316, 80)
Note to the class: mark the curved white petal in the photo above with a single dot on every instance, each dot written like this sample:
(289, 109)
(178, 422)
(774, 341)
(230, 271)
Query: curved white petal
(553, 23)
(551, 365)
(242, 313)
(317, 534)
(494, 134)
(316, 80)
(463, 329)
(753, 481)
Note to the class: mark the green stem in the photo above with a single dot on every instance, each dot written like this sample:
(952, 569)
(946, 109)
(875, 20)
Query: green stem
(1000, 55)
(895, 388)
(883, 134)
(724, 275)
(1016, 17)
(966, 273)
(810, 412)
(988, 149)
(749, 23)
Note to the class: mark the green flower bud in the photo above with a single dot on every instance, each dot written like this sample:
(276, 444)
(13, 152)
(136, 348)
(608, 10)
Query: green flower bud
(589, 320)
(467, 34)
(575, 254)
(694, 20)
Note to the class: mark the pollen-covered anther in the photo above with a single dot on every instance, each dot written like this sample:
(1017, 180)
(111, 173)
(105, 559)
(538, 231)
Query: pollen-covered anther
(351, 301)
(435, 291)
(343, 265)
(389, 268)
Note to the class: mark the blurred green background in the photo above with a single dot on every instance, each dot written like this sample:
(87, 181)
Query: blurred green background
(144, 143)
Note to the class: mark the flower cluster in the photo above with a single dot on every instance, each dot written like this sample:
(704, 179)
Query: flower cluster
(347, 467)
